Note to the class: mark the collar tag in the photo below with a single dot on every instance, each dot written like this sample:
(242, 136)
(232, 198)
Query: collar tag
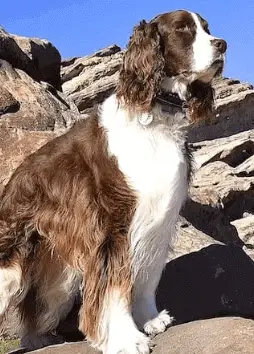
(145, 118)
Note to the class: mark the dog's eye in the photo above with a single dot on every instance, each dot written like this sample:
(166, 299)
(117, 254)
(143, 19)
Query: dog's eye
(206, 28)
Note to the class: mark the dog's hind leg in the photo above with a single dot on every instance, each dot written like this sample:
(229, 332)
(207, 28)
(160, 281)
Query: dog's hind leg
(14, 278)
(10, 286)
(49, 300)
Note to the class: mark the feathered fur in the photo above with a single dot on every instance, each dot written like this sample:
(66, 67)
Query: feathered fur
(95, 209)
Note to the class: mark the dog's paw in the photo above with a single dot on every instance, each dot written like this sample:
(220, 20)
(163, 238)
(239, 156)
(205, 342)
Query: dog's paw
(158, 324)
(130, 343)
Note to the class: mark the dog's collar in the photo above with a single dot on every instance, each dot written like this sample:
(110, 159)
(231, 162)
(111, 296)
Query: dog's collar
(167, 100)
(170, 99)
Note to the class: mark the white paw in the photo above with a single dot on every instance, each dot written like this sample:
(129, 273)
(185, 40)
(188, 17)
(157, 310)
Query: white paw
(158, 324)
(135, 343)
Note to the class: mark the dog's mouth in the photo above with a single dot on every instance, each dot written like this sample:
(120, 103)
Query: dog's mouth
(214, 70)
(207, 75)
(218, 66)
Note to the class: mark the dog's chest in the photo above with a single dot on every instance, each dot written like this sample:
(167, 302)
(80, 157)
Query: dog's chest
(155, 168)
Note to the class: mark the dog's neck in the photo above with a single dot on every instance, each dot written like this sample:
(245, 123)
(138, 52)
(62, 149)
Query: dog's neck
(171, 105)
(174, 95)
(171, 100)
(177, 85)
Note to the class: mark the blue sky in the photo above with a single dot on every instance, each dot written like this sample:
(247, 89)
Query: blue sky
(80, 27)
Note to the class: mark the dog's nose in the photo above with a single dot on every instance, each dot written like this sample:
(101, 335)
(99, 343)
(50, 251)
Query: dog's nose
(220, 44)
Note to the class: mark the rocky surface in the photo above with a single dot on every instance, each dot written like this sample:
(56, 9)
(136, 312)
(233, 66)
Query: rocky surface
(89, 80)
(221, 193)
(31, 113)
(215, 336)
(211, 268)
(29, 105)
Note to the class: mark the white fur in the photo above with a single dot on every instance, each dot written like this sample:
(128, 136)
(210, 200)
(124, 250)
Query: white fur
(204, 54)
(10, 286)
(152, 160)
(158, 324)
(178, 85)
(118, 332)
(203, 50)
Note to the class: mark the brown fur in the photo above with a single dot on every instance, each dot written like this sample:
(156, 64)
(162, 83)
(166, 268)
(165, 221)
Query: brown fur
(68, 204)
(143, 68)
(157, 49)
(74, 195)
(201, 103)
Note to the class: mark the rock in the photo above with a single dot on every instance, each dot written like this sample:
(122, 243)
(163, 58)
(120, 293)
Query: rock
(235, 111)
(216, 280)
(222, 188)
(89, 80)
(71, 68)
(215, 184)
(214, 336)
(28, 105)
(8, 104)
(232, 149)
(37, 57)
(245, 227)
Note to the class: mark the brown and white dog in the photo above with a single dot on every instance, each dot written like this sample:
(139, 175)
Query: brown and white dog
(95, 209)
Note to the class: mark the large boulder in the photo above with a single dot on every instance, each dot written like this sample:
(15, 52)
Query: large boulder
(29, 105)
(221, 200)
(30, 115)
(37, 57)
(89, 80)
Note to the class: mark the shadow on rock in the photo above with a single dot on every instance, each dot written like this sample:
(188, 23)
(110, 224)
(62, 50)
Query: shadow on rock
(212, 221)
(215, 281)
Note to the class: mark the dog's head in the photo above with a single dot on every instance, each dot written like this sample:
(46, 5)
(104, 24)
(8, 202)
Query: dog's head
(174, 52)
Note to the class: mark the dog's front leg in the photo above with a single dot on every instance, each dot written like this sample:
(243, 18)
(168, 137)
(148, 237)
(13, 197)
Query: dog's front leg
(116, 331)
(144, 307)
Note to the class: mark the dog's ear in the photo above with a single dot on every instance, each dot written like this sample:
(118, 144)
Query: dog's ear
(142, 69)
(201, 104)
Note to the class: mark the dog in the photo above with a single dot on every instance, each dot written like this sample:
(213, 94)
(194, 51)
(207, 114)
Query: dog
(94, 210)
